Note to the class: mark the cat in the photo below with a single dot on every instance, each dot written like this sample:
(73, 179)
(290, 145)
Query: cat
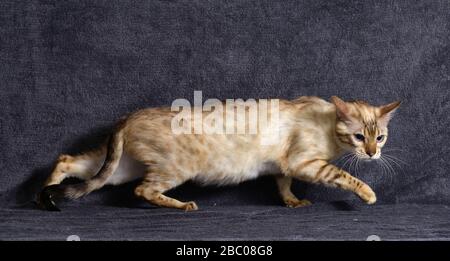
(312, 132)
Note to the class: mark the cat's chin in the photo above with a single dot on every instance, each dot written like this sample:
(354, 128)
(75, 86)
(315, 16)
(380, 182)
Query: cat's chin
(370, 159)
(367, 159)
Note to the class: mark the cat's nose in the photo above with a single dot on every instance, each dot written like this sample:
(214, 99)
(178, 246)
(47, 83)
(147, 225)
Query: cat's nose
(370, 153)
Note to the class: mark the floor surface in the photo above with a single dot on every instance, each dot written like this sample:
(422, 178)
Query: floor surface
(321, 221)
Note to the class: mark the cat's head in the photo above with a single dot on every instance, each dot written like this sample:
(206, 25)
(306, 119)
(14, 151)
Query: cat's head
(362, 128)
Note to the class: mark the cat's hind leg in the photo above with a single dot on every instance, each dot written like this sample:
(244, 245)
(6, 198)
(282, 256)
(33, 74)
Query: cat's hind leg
(284, 187)
(83, 166)
(153, 187)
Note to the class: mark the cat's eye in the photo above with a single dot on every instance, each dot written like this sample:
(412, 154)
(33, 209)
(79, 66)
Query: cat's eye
(380, 138)
(359, 137)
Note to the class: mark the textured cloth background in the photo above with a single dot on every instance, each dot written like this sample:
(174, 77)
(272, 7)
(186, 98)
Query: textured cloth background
(70, 69)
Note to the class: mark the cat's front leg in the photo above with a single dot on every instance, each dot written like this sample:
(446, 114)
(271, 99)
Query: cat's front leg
(321, 171)
(346, 181)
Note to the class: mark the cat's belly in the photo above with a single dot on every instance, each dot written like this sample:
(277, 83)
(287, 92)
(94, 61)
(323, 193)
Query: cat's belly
(128, 170)
(236, 173)
(223, 171)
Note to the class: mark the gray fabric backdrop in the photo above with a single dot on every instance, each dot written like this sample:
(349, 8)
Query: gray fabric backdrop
(69, 69)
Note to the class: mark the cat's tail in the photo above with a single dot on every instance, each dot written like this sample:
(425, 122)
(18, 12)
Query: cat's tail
(114, 153)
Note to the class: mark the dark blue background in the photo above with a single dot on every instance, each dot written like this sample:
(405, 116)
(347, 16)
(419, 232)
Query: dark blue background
(70, 69)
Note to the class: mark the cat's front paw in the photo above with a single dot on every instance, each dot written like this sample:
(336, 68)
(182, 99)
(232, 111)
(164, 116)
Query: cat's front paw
(367, 194)
(296, 203)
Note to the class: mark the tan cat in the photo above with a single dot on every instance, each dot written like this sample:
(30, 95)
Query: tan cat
(311, 133)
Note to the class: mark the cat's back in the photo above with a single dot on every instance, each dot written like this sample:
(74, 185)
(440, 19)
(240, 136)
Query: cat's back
(312, 102)
(312, 108)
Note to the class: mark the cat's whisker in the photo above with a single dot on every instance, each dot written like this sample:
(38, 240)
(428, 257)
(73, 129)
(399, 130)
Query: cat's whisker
(393, 161)
(389, 160)
(351, 163)
(357, 166)
(385, 172)
(347, 155)
(344, 159)
(382, 168)
(400, 167)
(354, 163)
(395, 158)
(389, 172)
(398, 162)
(341, 159)
(345, 163)
(360, 160)
(389, 166)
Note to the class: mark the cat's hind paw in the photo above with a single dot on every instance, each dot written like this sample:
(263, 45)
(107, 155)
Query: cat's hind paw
(190, 206)
(296, 203)
(46, 199)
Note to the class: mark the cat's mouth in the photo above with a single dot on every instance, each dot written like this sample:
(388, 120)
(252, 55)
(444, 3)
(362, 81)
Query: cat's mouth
(366, 157)
(369, 159)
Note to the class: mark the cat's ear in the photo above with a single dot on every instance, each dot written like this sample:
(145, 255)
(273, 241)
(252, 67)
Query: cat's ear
(386, 112)
(342, 109)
